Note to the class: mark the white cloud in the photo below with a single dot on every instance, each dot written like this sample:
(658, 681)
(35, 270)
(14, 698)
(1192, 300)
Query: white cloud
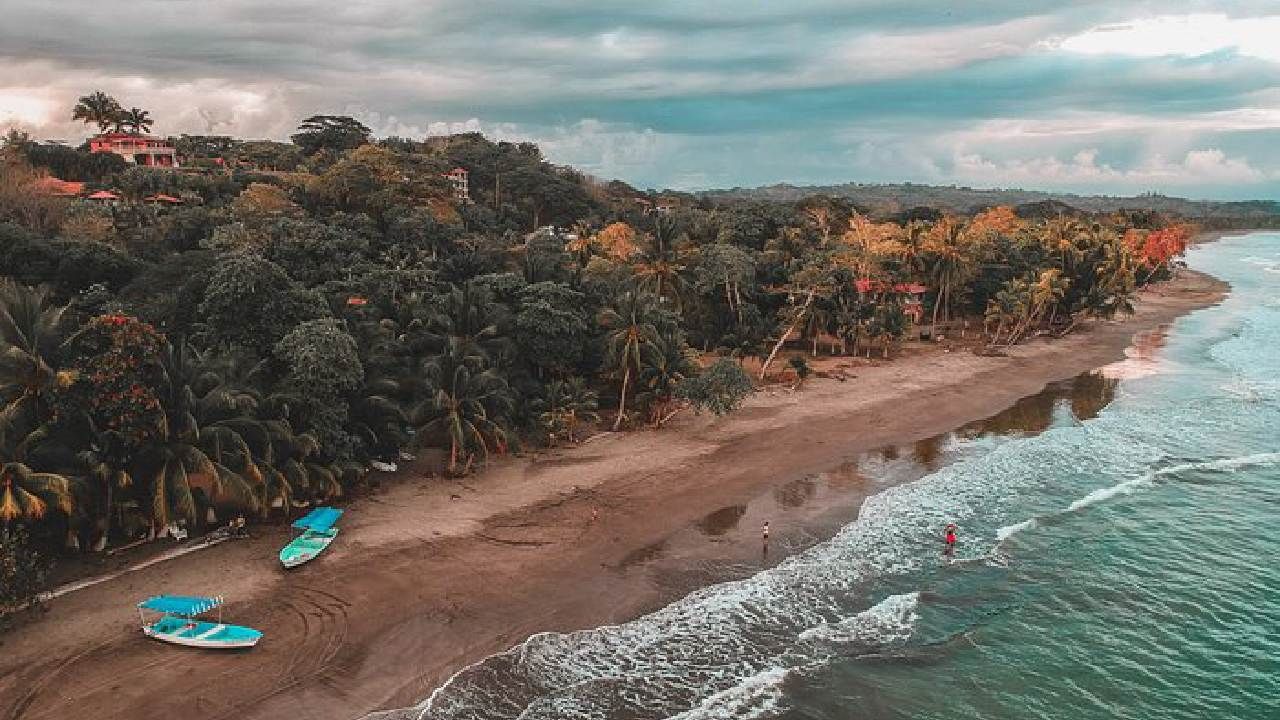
(1180, 35)
(888, 55)
(1202, 167)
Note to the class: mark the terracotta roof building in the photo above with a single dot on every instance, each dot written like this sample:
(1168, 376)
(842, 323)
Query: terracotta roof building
(137, 149)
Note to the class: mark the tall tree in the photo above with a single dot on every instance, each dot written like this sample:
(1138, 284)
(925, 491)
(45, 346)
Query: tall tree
(468, 408)
(630, 325)
(330, 132)
(137, 120)
(99, 109)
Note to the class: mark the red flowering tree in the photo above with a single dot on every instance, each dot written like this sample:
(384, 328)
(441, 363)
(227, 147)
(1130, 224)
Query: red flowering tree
(114, 367)
(1156, 249)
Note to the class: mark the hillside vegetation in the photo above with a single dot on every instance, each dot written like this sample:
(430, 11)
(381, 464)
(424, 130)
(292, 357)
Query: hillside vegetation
(310, 308)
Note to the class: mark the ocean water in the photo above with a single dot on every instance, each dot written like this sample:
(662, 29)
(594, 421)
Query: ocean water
(1122, 562)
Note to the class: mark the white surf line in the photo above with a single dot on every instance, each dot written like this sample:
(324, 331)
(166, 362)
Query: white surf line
(82, 584)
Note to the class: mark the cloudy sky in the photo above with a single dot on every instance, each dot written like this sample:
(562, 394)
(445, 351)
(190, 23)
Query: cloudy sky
(1110, 96)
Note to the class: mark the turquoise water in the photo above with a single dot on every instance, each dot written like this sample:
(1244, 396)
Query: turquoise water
(1117, 565)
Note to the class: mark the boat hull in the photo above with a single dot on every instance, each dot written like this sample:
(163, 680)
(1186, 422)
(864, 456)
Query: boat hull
(204, 635)
(306, 547)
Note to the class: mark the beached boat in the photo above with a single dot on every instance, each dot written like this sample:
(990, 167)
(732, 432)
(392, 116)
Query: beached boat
(178, 624)
(317, 532)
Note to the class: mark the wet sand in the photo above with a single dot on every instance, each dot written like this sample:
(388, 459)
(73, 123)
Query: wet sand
(429, 576)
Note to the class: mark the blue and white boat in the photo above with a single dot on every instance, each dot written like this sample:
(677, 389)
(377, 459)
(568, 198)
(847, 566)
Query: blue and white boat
(178, 624)
(317, 532)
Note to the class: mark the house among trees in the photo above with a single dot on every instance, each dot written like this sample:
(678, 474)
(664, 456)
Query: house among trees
(136, 149)
(457, 177)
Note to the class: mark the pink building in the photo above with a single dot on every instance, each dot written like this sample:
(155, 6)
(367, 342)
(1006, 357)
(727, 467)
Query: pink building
(136, 149)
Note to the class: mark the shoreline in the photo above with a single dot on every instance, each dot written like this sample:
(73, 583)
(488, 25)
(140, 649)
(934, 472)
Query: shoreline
(428, 578)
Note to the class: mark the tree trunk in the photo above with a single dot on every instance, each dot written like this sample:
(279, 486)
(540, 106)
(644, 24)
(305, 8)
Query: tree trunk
(106, 515)
(622, 402)
(778, 346)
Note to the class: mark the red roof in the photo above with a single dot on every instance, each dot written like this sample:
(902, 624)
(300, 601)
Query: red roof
(161, 197)
(104, 195)
(56, 186)
(457, 171)
(357, 301)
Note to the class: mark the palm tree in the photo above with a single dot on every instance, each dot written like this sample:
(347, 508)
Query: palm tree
(105, 463)
(469, 317)
(1008, 305)
(138, 120)
(950, 261)
(98, 109)
(27, 495)
(566, 406)
(664, 364)
(185, 455)
(469, 408)
(630, 326)
(30, 333)
(1046, 293)
(659, 271)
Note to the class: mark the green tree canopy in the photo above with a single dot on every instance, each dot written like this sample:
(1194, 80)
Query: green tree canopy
(251, 301)
(330, 132)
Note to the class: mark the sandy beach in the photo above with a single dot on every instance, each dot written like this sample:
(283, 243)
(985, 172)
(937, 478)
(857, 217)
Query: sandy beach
(430, 575)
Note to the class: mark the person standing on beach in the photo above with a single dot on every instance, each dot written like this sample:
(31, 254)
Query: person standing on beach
(764, 537)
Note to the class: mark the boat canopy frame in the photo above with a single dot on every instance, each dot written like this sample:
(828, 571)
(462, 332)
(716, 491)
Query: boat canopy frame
(188, 606)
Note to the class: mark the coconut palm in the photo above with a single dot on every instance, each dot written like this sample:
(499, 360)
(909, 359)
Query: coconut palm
(567, 406)
(468, 409)
(664, 364)
(138, 120)
(468, 318)
(1046, 294)
(658, 269)
(1006, 308)
(31, 330)
(28, 495)
(630, 325)
(104, 464)
(98, 109)
(184, 455)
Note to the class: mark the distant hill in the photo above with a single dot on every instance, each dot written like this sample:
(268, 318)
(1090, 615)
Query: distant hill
(896, 198)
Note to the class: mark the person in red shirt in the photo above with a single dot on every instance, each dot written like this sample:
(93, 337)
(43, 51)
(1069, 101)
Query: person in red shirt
(950, 538)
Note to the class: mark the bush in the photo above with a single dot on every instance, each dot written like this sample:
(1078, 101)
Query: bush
(22, 569)
(720, 388)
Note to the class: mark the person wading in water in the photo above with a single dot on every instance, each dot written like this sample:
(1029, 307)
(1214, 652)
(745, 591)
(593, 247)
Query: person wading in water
(950, 539)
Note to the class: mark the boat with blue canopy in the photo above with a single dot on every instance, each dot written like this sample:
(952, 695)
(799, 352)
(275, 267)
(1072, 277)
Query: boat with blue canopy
(177, 623)
(317, 532)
